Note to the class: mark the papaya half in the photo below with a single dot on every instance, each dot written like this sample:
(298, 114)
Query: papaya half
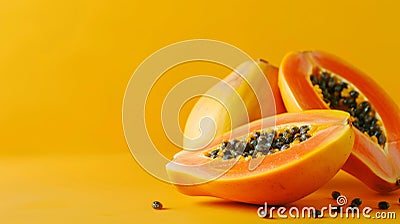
(317, 80)
(247, 94)
(277, 159)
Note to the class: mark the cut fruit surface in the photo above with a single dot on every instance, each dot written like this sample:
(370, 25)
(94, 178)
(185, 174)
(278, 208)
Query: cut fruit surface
(261, 169)
(316, 80)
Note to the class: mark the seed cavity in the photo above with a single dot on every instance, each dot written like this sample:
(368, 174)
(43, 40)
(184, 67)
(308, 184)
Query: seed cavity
(340, 95)
(356, 202)
(317, 214)
(261, 143)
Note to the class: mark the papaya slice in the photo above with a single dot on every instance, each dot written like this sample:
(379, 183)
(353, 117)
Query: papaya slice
(277, 159)
(247, 94)
(317, 80)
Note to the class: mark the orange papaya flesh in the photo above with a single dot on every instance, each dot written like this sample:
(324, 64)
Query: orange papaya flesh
(272, 177)
(317, 80)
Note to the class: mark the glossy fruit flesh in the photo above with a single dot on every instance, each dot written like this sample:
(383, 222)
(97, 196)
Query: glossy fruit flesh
(273, 178)
(249, 93)
(315, 80)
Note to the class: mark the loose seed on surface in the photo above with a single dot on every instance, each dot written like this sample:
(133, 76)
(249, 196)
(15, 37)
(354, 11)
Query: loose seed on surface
(383, 205)
(317, 214)
(335, 194)
(157, 205)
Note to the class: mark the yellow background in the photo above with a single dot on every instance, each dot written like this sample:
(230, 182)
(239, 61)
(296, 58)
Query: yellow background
(64, 66)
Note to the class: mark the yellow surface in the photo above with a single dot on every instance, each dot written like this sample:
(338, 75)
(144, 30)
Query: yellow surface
(64, 67)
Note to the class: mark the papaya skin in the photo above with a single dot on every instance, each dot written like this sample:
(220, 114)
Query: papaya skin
(272, 73)
(377, 167)
(276, 180)
(232, 94)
